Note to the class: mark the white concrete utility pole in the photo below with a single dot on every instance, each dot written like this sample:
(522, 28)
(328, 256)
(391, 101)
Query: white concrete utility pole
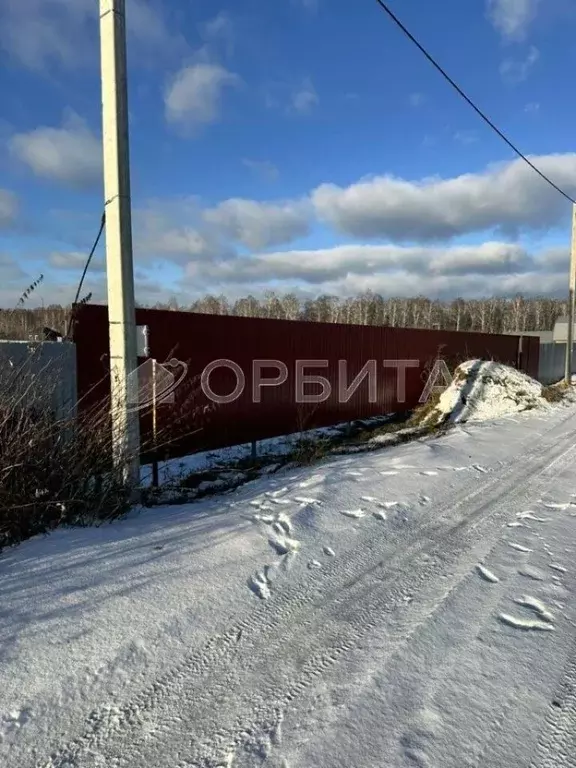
(119, 263)
(571, 292)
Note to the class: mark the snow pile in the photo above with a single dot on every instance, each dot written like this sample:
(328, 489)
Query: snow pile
(484, 390)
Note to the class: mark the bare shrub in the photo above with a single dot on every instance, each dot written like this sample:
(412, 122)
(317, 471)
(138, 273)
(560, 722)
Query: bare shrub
(55, 467)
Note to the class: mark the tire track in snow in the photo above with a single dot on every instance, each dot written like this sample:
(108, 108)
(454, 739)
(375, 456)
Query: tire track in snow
(393, 600)
(557, 741)
(249, 635)
(215, 649)
(324, 660)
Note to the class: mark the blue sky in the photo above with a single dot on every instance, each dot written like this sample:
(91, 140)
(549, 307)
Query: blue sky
(303, 145)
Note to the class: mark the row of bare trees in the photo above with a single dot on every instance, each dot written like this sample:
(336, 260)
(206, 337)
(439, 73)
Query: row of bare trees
(495, 315)
(492, 315)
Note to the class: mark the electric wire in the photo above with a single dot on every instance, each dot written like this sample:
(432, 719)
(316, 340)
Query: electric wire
(89, 259)
(469, 101)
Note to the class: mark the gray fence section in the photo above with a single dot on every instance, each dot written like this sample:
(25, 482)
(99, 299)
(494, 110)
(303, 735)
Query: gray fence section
(39, 375)
(552, 363)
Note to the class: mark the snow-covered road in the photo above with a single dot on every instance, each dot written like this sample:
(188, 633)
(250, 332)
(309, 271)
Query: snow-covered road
(408, 607)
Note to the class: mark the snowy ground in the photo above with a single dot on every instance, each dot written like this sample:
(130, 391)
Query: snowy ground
(408, 607)
(173, 471)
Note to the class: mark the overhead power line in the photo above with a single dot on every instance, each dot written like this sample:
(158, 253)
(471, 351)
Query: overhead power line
(90, 255)
(469, 101)
(88, 260)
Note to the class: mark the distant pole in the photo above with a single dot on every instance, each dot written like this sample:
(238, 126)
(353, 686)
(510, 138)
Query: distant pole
(571, 292)
(119, 264)
(154, 423)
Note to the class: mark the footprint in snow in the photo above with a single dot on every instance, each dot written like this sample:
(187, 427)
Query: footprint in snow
(314, 480)
(280, 528)
(530, 515)
(17, 719)
(314, 565)
(533, 604)
(389, 472)
(487, 575)
(287, 562)
(279, 492)
(556, 567)
(525, 624)
(266, 519)
(378, 503)
(260, 504)
(305, 500)
(379, 514)
(328, 551)
(519, 547)
(260, 585)
(283, 545)
(284, 522)
(429, 472)
(354, 513)
(531, 573)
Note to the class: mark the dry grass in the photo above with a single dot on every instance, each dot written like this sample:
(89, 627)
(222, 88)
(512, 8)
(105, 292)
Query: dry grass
(56, 468)
(555, 393)
(428, 415)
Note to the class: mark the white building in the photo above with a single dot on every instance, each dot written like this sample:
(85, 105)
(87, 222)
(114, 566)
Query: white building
(560, 332)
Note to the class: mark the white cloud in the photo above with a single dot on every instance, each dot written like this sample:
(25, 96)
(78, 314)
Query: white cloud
(180, 231)
(491, 268)
(328, 264)
(262, 168)
(70, 155)
(305, 98)
(532, 108)
(147, 25)
(416, 99)
(10, 271)
(74, 260)
(514, 71)
(259, 225)
(509, 197)
(174, 230)
(193, 98)
(42, 33)
(512, 18)
(449, 287)
(308, 5)
(220, 28)
(466, 137)
(8, 208)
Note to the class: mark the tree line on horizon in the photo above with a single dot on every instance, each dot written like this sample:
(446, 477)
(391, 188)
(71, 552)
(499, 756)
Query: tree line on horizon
(489, 315)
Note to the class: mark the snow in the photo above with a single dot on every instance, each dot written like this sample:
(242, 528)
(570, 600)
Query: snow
(486, 390)
(373, 610)
(487, 574)
(174, 470)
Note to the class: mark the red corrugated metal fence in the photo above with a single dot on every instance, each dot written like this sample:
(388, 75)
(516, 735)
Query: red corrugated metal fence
(198, 340)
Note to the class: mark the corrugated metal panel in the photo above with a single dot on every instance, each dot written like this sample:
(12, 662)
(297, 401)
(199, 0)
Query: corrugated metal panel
(200, 339)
